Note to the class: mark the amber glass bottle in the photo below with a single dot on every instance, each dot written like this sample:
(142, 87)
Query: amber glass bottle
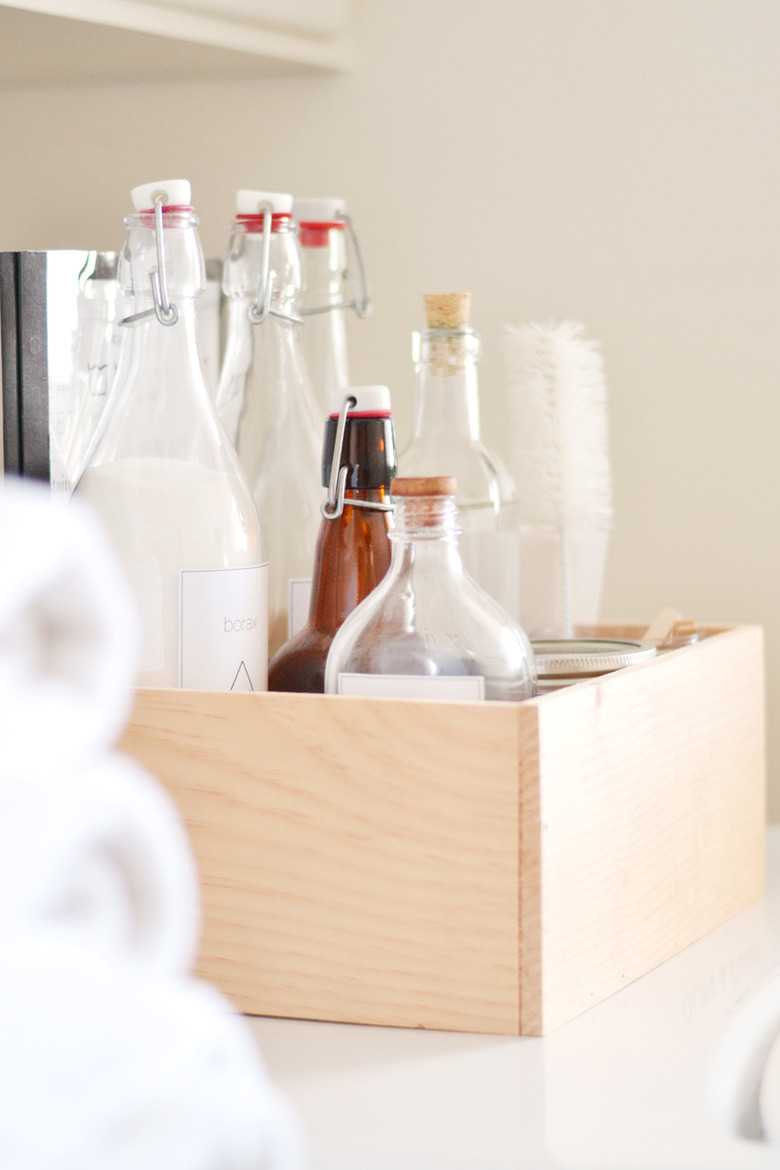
(353, 547)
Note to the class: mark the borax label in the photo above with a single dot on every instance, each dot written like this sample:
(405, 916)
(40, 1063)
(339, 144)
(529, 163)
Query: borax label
(224, 629)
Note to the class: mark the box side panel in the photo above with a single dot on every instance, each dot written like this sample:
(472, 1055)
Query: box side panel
(530, 937)
(652, 814)
(358, 857)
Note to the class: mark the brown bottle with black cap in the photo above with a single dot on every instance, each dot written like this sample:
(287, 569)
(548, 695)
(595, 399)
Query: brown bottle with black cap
(353, 547)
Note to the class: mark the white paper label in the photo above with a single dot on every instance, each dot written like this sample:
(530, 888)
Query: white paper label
(298, 597)
(224, 629)
(413, 686)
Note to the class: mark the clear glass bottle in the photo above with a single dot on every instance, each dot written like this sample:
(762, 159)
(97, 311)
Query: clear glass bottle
(265, 397)
(428, 630)
(96, 346)
(163, 477)
(446, 441)
(353, 549)
(328, 292)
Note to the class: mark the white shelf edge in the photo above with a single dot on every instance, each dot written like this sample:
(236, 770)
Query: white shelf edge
(329, 52)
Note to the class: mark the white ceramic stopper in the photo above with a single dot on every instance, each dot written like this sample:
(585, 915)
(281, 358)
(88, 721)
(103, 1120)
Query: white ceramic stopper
(248, 202)
(319, 210)
(370, 400)
(175, 193)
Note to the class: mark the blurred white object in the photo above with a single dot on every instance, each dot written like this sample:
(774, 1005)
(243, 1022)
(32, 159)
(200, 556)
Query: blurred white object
(104, 1068)
(560, 462)
(68, 635)
(112, 1057)
(743, 1088)
(101, 859)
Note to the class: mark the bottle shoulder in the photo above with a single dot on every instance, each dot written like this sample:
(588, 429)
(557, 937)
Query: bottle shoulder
(299, 665)
(269, 362)
(159, 405)
(167, 502)
(424, 599)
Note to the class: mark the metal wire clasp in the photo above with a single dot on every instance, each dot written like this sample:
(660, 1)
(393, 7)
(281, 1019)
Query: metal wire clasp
(334, 505)
(361, 300)
(260, 308)
(164, 311)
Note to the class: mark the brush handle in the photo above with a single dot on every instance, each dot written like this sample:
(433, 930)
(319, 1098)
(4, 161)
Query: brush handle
(567, 624)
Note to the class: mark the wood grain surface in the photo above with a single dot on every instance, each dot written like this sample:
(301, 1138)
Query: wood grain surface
(359, 858)
(473, 866)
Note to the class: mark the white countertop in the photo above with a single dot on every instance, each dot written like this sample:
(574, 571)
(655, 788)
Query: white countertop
(624, 1085)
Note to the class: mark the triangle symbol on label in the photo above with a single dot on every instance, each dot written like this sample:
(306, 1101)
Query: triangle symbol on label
(242, 681)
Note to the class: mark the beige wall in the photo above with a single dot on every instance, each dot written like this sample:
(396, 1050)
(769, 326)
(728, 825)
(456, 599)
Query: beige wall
(612, 161)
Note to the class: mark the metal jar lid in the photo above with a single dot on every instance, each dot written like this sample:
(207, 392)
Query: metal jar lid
(577, 658)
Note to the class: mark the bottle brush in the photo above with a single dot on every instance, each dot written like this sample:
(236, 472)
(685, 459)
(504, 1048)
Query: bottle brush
(560, 461)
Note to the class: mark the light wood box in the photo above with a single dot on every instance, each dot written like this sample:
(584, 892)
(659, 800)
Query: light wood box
(481, 867)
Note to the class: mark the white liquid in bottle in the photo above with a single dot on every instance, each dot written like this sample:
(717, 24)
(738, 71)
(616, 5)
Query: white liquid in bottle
(164, 517)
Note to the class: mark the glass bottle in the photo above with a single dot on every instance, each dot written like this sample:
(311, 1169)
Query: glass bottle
(328, 292)
(353, 549)
(265, 398)
(446, 441)
(428, 630)
(96, 345)
(163, 477)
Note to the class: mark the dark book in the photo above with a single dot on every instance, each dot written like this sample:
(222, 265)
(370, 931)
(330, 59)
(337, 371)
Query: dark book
(9, 364)
(23, 341)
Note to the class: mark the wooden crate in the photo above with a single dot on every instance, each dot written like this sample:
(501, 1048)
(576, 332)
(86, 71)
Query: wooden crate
(471, 866)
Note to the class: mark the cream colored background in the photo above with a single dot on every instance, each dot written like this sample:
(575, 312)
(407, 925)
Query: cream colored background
(611, 161)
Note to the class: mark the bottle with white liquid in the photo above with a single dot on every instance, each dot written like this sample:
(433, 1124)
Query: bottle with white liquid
(165, 480)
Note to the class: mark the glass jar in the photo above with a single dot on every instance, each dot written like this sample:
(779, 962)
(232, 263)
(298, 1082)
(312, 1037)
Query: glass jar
(428, 630)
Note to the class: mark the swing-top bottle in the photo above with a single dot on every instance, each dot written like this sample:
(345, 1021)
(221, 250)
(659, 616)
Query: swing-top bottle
(163, 477)
(330, 291)
(353, 549)
(446, 441)
(265, 398)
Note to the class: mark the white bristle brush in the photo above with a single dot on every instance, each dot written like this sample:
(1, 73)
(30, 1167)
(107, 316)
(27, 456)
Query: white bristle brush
(559, 436)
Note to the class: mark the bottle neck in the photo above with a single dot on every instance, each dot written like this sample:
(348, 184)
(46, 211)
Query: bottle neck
(426, 535)
(243, 268)
(353, 551)
(160, 406)
(353, 554)
(174, 258)
(165, 357)
(446, 401)
(324, 257)
(368, 452)
(279, 416)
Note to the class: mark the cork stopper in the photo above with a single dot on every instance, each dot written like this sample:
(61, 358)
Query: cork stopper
(446, 310)
(424, 502)
(424, 485)
(448, 343)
